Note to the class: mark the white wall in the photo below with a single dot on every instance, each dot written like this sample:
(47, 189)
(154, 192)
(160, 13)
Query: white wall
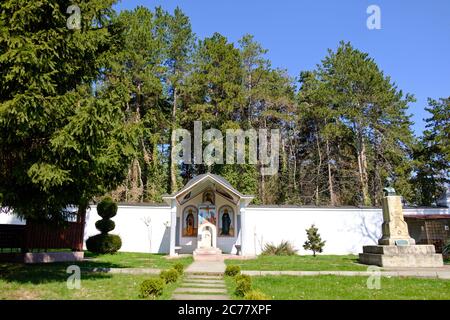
(345, 230)
(130, 226)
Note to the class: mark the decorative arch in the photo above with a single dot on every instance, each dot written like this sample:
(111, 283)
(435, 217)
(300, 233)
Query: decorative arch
(226, 221)
(190, 221)
(213, 230)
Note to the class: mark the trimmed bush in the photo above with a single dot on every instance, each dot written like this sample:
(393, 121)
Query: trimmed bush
(285, 248)
(169, 276)
(179, 267)
(232, 270)
(243, 285)
(256, 295)
(105, 226)
(446, 249)
(107, 208)
(242, 277)
(104, 243)
(151, 288)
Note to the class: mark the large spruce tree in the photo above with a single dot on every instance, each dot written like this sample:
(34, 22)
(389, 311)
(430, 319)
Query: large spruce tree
(62, 139)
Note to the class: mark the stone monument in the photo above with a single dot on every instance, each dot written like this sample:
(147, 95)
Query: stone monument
(396, 248)
(207, 243)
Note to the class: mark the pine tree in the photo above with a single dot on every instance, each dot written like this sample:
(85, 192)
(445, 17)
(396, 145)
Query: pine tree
(62, 140)
(314, 242)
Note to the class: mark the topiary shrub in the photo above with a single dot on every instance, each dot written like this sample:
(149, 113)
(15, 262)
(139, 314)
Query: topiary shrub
(256, 295)
(151, 288)
(105, 243)
(179, 267)
(170, 275)
(243, 285)
(232, 270)
(285, 248)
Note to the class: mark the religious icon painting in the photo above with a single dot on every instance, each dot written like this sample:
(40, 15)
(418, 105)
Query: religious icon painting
(208, 197)
(207, 212)
(190, 222)
(226, 221)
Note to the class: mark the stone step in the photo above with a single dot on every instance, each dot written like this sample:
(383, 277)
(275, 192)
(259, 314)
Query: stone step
(200, 290)
(205, 281)
(200, 297)
(197, 276)
(196, 284)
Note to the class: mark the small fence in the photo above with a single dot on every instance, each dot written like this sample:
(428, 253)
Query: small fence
(34, 236)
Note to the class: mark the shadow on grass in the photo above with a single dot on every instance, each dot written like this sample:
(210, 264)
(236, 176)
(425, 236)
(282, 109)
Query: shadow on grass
(45, 273)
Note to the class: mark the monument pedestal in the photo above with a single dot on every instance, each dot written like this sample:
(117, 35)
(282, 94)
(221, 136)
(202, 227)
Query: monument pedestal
(208, 254)
(396, 248)
(394, 256)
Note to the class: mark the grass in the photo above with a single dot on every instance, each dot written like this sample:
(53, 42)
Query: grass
(347, 288)
(49, 281)
(132, 260)
(301, 263)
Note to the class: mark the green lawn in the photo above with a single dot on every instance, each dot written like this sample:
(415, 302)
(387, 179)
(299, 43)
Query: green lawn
(131, 260)
(301, 263)
(347, 288)
(48, 281)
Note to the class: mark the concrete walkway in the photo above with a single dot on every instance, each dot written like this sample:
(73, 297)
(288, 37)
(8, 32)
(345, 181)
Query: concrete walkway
(206, 267)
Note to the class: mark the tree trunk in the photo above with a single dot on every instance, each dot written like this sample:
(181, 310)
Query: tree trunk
(333, 200)
(362, 166)
(173, 168)
(319, 166)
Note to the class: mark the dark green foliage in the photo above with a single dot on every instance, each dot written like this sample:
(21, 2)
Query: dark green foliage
(446, 249)
(169, 276)
(63, 140)
(179, 267)
(107, 208)
(285, 248)
(243, 285)
(104, 243)
(314, 242)
(105, 226)
(232, 270)
(151, 288)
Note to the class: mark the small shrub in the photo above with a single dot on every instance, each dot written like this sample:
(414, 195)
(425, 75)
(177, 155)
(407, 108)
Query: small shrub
(169, 276)
(104, 243)
(179, 267)
(256, 295)
(242, 276)
(314, 242)
(285, 248)
(151, 288)
(243, 285)
(232, 270)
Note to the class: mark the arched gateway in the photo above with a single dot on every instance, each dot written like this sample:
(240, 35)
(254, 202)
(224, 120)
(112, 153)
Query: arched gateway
(207, 216)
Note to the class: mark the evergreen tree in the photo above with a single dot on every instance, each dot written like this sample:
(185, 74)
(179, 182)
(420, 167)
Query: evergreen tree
(62, 141)
(314, 242)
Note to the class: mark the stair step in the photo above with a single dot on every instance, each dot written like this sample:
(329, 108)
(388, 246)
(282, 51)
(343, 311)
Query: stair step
(196, 284)
(200, 290)
(199, 297)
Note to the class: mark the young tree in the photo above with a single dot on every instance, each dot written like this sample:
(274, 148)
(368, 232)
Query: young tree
(314, 242)
(62, 141)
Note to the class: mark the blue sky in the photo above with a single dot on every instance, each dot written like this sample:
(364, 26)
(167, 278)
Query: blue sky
(413, 45)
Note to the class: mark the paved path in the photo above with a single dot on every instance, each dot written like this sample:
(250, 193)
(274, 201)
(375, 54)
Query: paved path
(206, 267)
(201, 287)
(439, 273)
